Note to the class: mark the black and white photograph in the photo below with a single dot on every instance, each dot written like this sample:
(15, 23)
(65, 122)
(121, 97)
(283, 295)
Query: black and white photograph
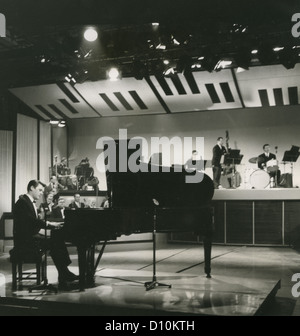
(149, 160)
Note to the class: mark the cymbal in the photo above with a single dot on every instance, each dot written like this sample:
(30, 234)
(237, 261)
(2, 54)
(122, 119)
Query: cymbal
(255, 160)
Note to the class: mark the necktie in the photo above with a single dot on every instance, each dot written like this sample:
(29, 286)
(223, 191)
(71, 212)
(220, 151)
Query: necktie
(35, 209)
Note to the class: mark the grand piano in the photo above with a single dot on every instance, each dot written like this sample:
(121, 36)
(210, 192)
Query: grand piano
(137, 202)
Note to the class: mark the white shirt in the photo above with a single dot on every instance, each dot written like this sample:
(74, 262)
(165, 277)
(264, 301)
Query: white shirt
(42, 231)
(33, 202)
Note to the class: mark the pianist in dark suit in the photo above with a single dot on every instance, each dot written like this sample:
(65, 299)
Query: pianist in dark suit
(77, 204)
(29, 228)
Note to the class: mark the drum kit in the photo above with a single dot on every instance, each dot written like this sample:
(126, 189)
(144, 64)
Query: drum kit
(260, 178)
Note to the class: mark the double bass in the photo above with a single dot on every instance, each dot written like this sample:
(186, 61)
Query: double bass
(230, 178)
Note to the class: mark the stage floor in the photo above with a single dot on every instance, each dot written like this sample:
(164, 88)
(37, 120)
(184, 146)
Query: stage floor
(245, 281)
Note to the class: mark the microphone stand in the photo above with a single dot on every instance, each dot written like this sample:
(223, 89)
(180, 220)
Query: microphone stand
(152, 284)
(45, 286)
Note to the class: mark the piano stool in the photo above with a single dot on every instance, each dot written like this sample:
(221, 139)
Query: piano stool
(19, 275)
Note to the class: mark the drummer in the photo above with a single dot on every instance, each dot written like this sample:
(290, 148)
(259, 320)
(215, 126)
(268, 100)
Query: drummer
(271, 167)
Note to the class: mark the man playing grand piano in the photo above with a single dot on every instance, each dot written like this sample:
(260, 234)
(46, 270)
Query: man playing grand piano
(28, 231)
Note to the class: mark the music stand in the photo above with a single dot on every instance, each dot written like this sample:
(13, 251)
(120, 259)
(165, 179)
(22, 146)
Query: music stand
(233, 157)
(45, 286)
(295, 150)
(154, 283)
(291, 156)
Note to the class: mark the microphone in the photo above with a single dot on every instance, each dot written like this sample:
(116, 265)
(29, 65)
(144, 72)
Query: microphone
(276, 147)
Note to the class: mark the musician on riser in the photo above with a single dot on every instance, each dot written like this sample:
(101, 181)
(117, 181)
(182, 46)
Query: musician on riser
(268, 162)
(218, 151)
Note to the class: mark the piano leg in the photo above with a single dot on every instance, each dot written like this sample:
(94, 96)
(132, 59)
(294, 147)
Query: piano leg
(90, 272)
(100, 256)
(81, 250)
(86, 261)
(207, 243)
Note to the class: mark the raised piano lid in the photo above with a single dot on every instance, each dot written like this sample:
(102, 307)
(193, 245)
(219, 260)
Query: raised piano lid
(180, 206)
(169, 189)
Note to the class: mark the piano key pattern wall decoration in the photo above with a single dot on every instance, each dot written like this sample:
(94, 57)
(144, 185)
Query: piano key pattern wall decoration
(194, 92)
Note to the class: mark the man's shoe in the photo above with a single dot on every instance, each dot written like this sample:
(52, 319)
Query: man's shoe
(71, 277)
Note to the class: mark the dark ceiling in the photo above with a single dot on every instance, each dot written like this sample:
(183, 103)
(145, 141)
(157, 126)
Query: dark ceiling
(44, 38)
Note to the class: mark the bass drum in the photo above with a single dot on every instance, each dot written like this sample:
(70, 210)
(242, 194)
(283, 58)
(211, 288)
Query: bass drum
(259, 179)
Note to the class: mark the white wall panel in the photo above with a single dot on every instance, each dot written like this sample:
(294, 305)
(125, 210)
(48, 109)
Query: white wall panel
(26, 160)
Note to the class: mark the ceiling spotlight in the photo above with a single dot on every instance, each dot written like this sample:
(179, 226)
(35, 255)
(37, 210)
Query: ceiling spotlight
(54, 122)
(62, 124)
(113, 74)
(196, 66)
(238, 29)
(222, 64)
(174, 41)
(68, 78)
(278, 48)
(91, 35)
(161, 46)
(254, 51)
(151, 44)
(87, 54)
(169, 72)
(42, 59)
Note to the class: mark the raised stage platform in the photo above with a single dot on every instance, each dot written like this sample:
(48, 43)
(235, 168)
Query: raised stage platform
(254, 217)
(257, 194)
